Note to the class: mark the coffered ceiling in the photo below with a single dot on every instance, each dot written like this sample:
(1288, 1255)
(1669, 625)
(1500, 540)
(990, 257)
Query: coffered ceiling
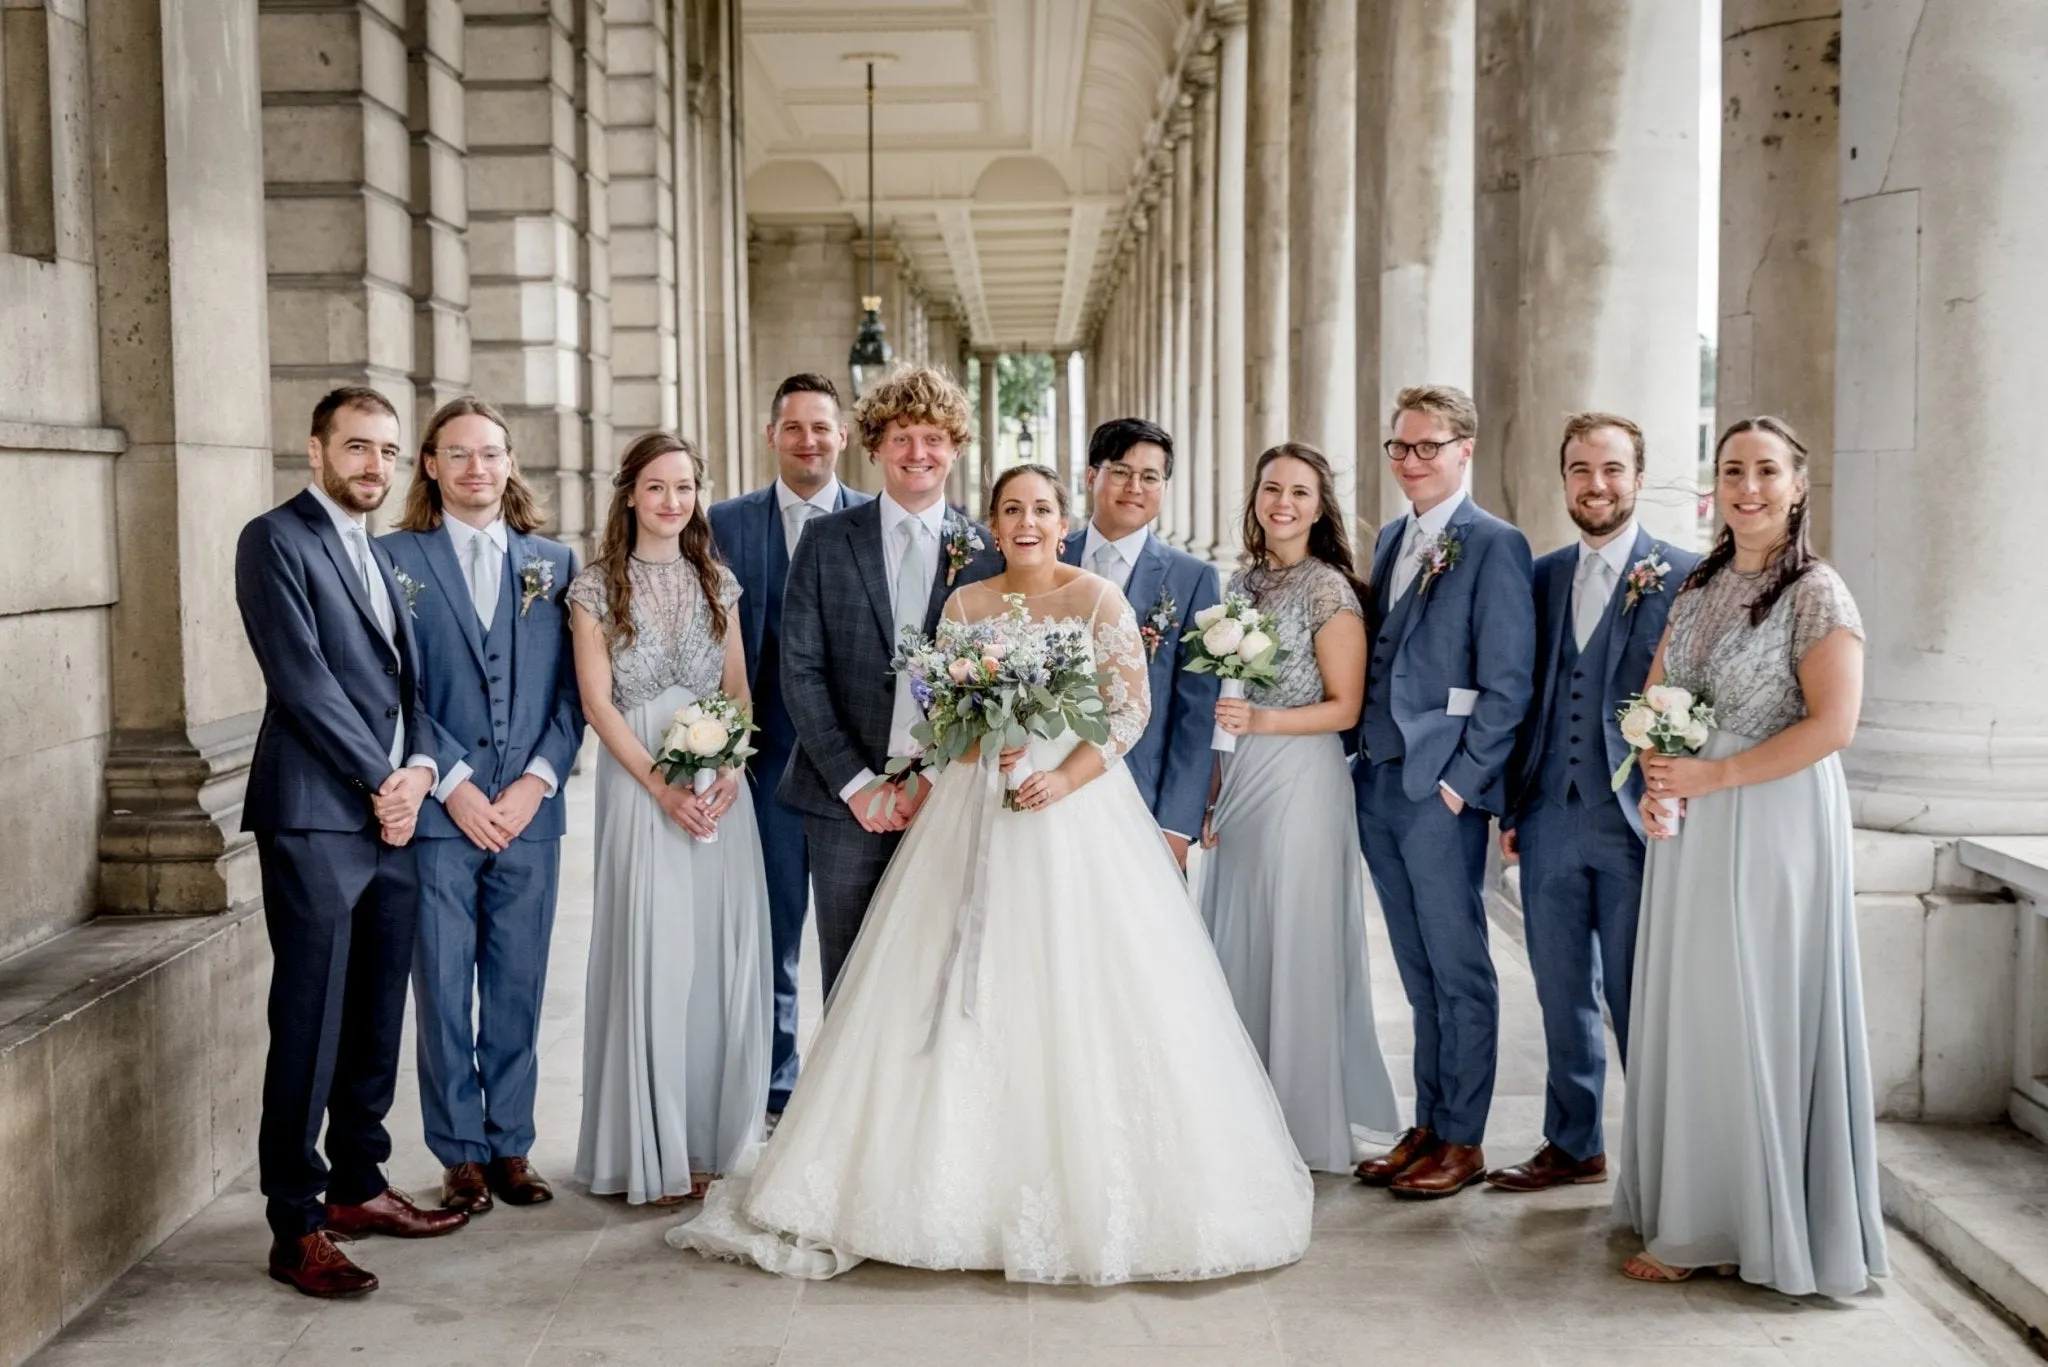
(1006, 136)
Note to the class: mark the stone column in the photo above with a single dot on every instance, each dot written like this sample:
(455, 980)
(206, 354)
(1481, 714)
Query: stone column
(1781, 80)
(338, 177)
(594, 282)
(1425, 332)
(1940, 351)
(1231, 456)
(641, 153)
(179, 245)
(1610, 249)
(1180, 492)
(440, 205)
(1321, 307)
(1063, 421)
(803, 293)
(1375, 81)
(982, 468)
(1199, 478)
(721, 239)
(1497, 252)
(1269, 56)
(1166, 407)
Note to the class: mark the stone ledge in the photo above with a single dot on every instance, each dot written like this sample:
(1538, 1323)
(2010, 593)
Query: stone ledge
(1978, 1196)
(2018, 861)
(44, 437)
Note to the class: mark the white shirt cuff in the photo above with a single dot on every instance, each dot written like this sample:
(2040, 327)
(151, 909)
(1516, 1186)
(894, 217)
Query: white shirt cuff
(1176, 835)
(860, 781)
(1449, 789)
(427, 763)
(457, 776)
(545, 772)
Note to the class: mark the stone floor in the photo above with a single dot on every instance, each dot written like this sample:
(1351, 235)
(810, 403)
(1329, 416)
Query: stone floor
(1484, 1278)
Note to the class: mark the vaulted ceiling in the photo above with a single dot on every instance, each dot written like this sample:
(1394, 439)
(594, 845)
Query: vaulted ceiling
(1006, 136)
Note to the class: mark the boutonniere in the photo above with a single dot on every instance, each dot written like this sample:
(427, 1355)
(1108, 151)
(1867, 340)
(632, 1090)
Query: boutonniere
(1645, 577)
(961, 544)
(1159, 624)
(410, 587)
(536, 581)
(1437, 558)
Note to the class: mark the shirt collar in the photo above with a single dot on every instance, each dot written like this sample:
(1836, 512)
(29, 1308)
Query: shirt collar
(1436, 519)
(344, 520)
(894, 514)
(1615, 552)
(826, 500)
(461, 534)
(1129, 547)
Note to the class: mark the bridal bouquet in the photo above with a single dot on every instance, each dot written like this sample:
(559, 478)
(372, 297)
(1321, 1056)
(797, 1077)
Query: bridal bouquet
(1229, 639)
(707, 735)
(1000, 683)
(1670, 720)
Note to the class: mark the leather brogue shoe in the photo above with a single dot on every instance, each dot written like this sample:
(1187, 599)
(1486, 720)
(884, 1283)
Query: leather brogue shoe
(1550, 1167)
(392, 1212)
(465, 1188)
(517, 1184)
(1414, 1146)
(313, 1265)
(1448, 1171)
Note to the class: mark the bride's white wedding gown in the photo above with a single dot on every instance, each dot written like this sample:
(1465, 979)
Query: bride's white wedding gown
(1099, 1117)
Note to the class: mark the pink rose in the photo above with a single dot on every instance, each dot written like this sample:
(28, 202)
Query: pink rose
(960, 671)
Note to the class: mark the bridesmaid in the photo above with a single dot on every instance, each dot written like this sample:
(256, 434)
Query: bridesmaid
(677, 1003)
(1750, 1138)
(1283, 892)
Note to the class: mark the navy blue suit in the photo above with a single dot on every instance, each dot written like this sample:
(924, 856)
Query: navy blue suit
(749, 535)
(508, 695)
(340, 905)
(1171, 763)
(1581, 843)
(1446, 688)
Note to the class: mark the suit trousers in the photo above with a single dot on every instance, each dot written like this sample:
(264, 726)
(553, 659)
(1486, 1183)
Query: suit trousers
(847, 864)
(485, 924)
(1582, 888)
(786, 853)
(341, 908)
(1429, 870)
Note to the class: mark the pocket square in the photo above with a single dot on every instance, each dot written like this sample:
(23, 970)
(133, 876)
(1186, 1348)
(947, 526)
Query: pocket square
(1463, 700)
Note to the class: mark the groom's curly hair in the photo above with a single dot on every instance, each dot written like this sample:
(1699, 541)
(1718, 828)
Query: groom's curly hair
(914, 394)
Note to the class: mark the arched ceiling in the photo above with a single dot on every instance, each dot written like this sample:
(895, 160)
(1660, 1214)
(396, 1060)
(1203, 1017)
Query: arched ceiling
(1006, 135)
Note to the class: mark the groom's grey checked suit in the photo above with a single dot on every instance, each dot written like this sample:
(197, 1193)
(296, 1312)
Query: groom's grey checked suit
(838, 638)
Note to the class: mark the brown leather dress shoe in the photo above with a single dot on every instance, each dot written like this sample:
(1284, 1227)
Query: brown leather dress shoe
(313, 1265)
(1414, 1146)
(1551, 1167)
(392, 1212)
(465, 1188)
(1449, 1170)
(515, 1180)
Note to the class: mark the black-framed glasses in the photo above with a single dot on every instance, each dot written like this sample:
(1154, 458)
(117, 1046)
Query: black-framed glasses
(1421, 450)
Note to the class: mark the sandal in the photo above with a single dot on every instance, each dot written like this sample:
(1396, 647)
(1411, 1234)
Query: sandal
(1645, 1268)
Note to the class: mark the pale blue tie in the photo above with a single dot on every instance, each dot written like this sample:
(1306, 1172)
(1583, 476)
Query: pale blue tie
(913, 593)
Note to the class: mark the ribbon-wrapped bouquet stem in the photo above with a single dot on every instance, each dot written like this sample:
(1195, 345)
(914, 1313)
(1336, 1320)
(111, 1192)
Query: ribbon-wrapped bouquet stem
(706, 736)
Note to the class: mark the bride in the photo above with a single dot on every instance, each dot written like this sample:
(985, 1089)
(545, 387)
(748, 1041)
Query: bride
(1091, 1111)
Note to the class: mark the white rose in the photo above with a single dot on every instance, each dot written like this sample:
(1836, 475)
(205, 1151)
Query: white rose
(1669, 699)
(691, 712)
(706, 736)
(1636, 724)
(1696, 735)
(1253, 645)
(1221, 639)
(1209, 616)
(673, 740)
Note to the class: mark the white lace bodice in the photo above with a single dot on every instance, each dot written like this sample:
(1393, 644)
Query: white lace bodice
(1093, 604)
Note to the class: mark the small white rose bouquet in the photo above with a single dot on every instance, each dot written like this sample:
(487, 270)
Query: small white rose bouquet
(706, 736)
(1670, 720)
(1230, 640)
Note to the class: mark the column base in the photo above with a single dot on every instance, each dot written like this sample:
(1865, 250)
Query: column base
(172, 843)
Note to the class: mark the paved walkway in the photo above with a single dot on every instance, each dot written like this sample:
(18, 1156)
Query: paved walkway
(1484, 1278)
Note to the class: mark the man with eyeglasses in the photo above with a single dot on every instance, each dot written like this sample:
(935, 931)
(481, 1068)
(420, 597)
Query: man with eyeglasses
(484, 593)
(1453, 629)
(1129, 462)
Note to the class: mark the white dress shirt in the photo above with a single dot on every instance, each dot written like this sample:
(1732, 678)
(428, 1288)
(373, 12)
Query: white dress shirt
(463, 538)
(354, 534)
(894, 515)
(1128, 549)
(826, 500)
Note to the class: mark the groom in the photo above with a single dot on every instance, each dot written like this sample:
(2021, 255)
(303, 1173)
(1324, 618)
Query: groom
(1129, 463)
(857, 579)
(1601, 604)
(1453, 631)
(757, 535)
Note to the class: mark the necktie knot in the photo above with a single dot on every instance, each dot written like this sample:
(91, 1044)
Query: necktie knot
(1108, 560)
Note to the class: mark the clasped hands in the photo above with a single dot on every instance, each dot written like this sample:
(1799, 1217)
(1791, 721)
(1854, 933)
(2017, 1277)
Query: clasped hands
(888, 804)
(1674, 776)
(396, 804)
(695, 812)
(494, 824)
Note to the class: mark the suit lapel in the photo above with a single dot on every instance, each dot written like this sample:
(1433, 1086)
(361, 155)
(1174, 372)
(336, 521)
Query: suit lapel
(1142, 590)
(316, 516)
(440, 552)
(769, 553)
(949, 527)
(400, 643)
(1455, 526)
(1561, 625)
(1077, 542)
(1382, 585)
(864, 531)
(1622, 620)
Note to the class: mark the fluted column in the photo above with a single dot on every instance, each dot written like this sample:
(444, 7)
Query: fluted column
(1497, 251)
(1200, 475)
(1233, 73)
(1780, 196)
(1610, 248)
(1270, 74)
(1180, 492)
(1375, 49)
(1321, 271)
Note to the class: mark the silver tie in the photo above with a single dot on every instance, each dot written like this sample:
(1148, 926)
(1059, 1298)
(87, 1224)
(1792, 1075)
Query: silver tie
(1590, 594)
(373, 589)
(913, 593)
(794, 518)
(1405, 565)
(483, 579)
(1109, 563)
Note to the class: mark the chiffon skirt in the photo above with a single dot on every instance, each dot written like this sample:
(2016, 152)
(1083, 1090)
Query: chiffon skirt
(1099, 1117)
(1284, 896)
(1749, 1126)
(677, 1004)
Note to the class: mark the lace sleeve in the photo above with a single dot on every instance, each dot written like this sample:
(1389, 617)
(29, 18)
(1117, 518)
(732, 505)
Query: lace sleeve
(728, 588)
(1126, 683)
(1329, 594)
(587, 591)
(1820, 604)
